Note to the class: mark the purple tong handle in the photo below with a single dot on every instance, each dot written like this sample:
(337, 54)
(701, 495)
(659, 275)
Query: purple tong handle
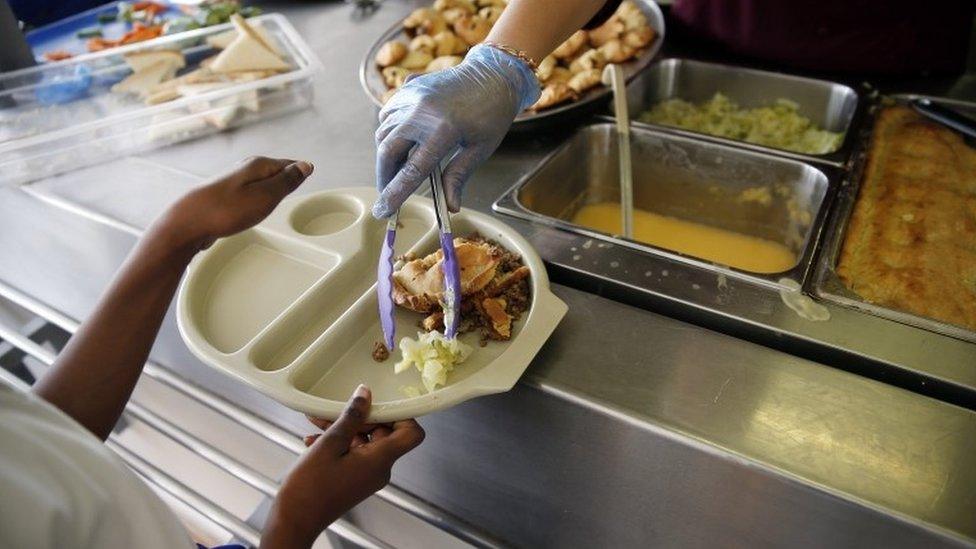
(384, 288)
(452, 286)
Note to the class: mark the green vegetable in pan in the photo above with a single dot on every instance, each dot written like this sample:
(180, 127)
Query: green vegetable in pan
(180, 24)
(89, 32)
(108, 17)
(778, 125)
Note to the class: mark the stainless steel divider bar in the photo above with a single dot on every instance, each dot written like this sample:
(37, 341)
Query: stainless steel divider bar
(232, 524)
(13, 381)
(27, 345)
(391, 494)
(223, 407)
(341, 527)
(263, 484)
(249, 476)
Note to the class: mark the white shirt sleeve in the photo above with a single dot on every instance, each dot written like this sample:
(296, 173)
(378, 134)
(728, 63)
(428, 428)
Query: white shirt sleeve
(61, 487)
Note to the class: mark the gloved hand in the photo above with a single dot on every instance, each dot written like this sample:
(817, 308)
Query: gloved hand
(467, 108)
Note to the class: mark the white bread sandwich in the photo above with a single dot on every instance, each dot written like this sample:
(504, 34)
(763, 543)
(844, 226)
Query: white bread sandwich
(248, 52)
(144, 80)
(224, 39)
(140, 60)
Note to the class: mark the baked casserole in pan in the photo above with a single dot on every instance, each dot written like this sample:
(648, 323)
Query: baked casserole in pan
(911, 241)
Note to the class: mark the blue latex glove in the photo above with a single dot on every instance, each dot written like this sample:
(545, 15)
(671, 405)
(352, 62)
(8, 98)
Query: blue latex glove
(467, 108)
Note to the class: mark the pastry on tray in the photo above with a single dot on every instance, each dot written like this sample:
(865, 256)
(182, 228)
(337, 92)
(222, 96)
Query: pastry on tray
(441, 34)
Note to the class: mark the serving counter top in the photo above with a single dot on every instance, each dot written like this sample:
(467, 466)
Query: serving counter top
(630, 428)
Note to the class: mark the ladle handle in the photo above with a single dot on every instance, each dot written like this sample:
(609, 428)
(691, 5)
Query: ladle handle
(613, 76)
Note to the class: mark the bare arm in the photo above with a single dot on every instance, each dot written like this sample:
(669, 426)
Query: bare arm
(95, 374)
(537, 26)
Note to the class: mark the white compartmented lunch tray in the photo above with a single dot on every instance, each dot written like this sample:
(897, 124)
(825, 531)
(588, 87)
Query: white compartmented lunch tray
(42, 136)
(290, 308)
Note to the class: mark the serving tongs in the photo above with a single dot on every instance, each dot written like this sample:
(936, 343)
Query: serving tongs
(945, 116)
(384, 281)
(451, 302)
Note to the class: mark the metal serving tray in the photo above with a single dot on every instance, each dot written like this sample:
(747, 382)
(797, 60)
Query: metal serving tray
(827, 282)
(831, 106)
(372, 83)
(685, 178)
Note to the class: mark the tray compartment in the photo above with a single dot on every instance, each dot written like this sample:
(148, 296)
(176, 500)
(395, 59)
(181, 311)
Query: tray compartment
(246, 282)
(829, 105)
(767, 197)
(326, 215)
(319, 309)
(342, 358)
(827, 283)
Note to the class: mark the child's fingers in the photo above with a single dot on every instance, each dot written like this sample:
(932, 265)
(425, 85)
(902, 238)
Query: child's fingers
(319, 422)
(339, 437)
(279, 185)
(380, 433)
(255, 168)
(358, 440)
(325, 424)
(405, 436)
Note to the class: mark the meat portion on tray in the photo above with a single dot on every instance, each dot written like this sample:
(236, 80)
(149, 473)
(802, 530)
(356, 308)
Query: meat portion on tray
(494, 287)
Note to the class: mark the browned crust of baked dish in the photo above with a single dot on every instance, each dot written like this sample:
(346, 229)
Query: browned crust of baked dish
(911, 240)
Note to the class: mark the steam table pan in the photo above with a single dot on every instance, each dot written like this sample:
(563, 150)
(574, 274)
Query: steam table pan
(289, 307)
(827, 281)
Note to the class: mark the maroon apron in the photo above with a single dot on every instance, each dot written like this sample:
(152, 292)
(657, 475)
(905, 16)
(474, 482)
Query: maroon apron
(864, 36)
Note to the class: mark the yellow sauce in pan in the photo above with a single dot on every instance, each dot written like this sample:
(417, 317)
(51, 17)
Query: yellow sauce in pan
(737, 250)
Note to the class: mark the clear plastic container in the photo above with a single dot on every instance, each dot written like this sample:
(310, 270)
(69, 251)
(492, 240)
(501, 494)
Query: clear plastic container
(42, 133)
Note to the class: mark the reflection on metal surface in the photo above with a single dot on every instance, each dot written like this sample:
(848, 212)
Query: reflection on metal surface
(792, 295)
(834, 449)
(853, 437)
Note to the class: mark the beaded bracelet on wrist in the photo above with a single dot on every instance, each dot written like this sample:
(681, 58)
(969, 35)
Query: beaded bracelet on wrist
(514, 53)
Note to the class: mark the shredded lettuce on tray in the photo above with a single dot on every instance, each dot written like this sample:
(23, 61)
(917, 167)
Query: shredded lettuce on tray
(434, 355)
(779, 125)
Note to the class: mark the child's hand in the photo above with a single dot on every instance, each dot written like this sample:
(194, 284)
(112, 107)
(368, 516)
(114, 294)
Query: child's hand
(343, 466)
(235, 201)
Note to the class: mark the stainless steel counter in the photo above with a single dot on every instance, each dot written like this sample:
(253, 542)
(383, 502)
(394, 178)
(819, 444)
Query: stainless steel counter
(629, 429)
